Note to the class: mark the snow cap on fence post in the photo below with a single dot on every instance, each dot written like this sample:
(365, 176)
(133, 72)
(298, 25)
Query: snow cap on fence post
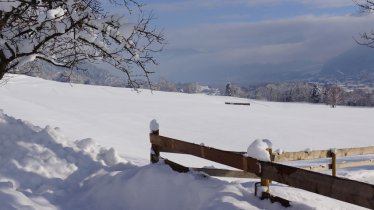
(155, 153)
(154, 127)
(259, 149)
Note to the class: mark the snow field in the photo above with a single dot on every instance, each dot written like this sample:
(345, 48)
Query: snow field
(117, 116)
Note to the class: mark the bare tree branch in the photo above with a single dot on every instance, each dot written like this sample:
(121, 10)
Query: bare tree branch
(66, 33)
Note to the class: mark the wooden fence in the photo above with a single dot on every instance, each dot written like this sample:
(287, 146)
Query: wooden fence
(354, 192)
(332, 153)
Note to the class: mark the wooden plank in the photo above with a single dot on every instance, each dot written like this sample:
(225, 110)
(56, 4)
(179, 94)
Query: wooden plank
(324, 167)
(350, 191)
(318, 154)
(355, 164)
(235, 103)
(176, 167)
(210, 171)
(355, 151)
(235, 160)
(290, 156)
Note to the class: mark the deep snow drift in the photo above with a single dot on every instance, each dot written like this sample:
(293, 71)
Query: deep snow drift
(42, 169)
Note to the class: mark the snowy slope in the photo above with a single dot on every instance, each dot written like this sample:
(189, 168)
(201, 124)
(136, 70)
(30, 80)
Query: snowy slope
(119, 117)
(41, 168)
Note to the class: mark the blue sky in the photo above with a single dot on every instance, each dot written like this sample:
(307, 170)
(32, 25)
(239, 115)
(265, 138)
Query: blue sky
(225, 37)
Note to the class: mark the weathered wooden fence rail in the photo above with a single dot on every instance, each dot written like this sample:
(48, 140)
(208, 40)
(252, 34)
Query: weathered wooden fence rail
(351, 191)
(332, 153)
(355, 192)
(319, 154)
(232, 159)
(324, 154)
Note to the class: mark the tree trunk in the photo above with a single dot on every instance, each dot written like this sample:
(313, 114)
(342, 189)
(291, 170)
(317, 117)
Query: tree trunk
(3, 66)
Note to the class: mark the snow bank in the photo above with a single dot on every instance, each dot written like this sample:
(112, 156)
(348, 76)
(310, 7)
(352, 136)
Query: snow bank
(158, 187)
(39, 166)
(258, 150)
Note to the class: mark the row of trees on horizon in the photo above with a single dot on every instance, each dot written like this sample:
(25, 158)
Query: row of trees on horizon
(295, 91)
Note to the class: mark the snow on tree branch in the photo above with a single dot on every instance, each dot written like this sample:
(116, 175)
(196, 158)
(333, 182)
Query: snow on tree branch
(67, 32)
(366, 38)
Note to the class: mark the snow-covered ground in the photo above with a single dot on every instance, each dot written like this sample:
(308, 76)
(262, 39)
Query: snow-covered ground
(92, 147)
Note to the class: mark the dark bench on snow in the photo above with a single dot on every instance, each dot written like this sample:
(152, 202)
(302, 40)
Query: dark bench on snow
(234, 103)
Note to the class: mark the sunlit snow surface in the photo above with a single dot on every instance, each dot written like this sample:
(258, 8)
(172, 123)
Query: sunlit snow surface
(90, 139)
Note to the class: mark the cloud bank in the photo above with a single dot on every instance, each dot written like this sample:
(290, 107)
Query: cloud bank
(223, 39)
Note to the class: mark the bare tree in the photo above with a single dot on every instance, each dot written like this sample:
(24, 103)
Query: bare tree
(237, 91)
(66, 33)
(228, 91)
(334, 95)
(366, 38)
(192, 88)
(165, 85)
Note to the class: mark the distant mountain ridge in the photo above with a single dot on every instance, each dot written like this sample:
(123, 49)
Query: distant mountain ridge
(356, 64)
(352, 63)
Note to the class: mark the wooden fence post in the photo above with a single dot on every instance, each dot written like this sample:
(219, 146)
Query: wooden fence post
(266, 182)
(333, 163)
(155, 152)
